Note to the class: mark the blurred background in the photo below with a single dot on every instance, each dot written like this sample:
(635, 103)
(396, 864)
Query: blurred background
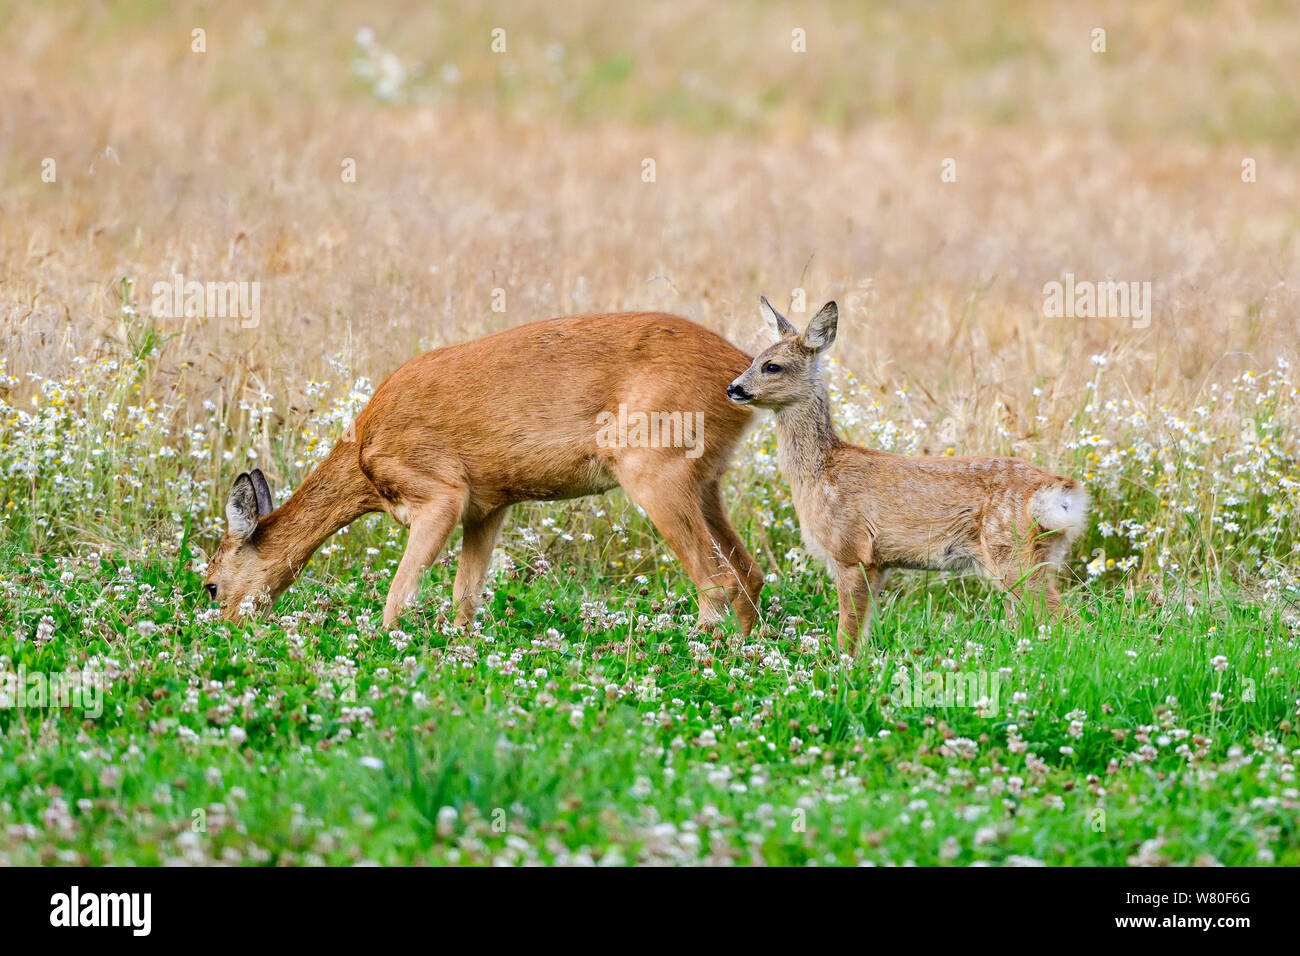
(388, 173)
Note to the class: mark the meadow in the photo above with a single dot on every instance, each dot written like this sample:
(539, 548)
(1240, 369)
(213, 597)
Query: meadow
(584, 719)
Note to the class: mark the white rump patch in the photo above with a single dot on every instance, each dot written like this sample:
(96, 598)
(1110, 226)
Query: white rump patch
(1062, 509)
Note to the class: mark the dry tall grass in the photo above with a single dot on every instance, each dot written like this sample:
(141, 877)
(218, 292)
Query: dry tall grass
(773, 171)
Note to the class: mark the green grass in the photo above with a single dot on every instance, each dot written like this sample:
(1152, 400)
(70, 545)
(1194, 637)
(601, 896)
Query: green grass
(578, 725)
(586, 719)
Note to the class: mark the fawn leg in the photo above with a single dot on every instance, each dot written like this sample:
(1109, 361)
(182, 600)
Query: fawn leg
(1027, 576)
(858, 586)
(1038, 587)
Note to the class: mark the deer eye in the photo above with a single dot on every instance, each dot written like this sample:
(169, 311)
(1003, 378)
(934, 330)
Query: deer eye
(771, 368)
(212, 591)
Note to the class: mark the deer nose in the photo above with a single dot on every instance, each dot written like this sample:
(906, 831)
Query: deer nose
(737, 391)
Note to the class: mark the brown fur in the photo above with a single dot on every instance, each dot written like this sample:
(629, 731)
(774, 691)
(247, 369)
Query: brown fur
(864, 511)
(457, 435)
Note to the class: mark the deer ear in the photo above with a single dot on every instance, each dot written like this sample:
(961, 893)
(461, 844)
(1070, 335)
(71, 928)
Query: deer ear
(776, 322)
(265, 501)
(821, 330)
(241, 508)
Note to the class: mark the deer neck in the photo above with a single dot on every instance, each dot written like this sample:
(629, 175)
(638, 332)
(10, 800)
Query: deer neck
(805, 438)
(335, 494)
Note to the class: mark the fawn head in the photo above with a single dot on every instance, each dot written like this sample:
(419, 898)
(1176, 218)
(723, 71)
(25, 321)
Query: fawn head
(789, 371)
(237, 572)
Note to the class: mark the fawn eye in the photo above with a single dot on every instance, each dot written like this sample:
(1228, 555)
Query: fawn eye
(212, 591)
(771, 368)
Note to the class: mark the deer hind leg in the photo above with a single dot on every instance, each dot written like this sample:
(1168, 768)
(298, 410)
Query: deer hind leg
(1040, 588)
(1033, 588)
(475, 554)
(1025, 573)
(857, 585)
(432, 522)
(674, 507)
(741, 564)
(992, 564)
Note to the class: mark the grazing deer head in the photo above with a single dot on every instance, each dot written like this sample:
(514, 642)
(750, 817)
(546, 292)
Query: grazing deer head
(236, 571)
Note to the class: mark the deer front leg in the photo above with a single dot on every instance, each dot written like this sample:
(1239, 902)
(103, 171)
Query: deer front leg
(857, 585)
(431, 525)
(475, 555)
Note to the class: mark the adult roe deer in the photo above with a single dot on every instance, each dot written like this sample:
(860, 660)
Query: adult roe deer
(864, 511)
(457, 435)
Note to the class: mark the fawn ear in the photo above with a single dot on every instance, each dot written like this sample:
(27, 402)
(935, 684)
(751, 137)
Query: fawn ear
(265, 502)
(821, 330)
(776, 322)
(241, 508)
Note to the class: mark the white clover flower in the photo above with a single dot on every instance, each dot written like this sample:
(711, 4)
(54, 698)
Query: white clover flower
(44, 631)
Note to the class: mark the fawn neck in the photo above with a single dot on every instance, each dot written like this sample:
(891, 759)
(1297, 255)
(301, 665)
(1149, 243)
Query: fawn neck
(805, 436)
(335, 494)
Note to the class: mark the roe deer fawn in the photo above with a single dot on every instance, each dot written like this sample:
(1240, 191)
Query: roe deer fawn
(864, 511)
(457, 435)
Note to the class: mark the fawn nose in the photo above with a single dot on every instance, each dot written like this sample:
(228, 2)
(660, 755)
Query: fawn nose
(735, 391)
